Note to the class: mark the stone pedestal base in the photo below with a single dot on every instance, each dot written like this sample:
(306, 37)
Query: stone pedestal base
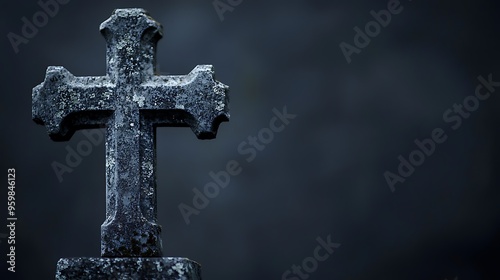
(128, 268)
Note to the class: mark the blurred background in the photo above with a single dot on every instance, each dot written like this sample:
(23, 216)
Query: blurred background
(323, 175)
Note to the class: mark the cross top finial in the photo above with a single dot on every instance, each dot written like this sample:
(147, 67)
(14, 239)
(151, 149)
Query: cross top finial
(131, 36)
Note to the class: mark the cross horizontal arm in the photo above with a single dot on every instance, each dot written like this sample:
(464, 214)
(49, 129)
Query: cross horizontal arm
(196, 100)
(65, 103)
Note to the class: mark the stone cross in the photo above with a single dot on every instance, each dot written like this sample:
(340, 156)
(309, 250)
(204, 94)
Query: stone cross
(131, 101)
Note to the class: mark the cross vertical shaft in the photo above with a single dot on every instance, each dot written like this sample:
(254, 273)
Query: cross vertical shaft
(130, 188)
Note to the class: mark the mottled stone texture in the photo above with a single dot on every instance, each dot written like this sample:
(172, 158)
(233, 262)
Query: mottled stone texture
(131, 101)
(128, 269)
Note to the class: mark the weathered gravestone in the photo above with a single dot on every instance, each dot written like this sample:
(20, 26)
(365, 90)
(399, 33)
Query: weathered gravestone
(130, 101)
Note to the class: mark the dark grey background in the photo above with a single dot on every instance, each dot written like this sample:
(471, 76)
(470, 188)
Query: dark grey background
(323, 175)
